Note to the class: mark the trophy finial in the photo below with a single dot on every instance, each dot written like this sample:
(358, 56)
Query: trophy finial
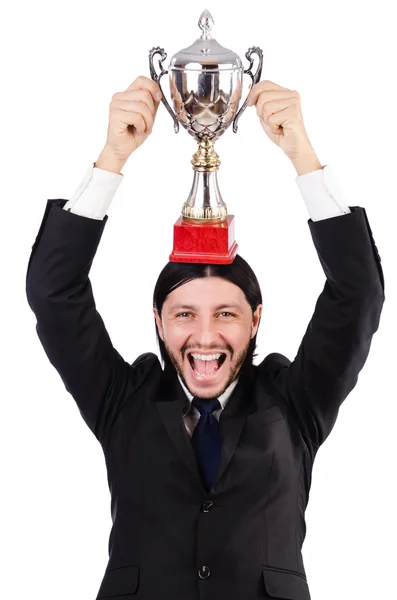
(206, 23)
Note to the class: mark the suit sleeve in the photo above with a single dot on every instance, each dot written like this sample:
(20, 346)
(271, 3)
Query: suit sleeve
(337, 340)
(69, 327)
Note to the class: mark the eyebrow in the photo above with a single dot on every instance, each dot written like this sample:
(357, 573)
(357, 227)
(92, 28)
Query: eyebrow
(191, 307)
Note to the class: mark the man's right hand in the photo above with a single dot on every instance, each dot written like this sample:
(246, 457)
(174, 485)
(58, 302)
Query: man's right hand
(131, 118)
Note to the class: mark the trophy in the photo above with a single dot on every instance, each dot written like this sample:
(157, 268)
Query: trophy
(205, 86)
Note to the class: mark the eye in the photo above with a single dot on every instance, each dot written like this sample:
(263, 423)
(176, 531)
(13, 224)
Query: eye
(227, 313)
(184, 313)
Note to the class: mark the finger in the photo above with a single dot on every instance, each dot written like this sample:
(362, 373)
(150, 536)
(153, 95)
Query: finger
(265, 97)
(138, 95)
(271, 129)
(282, 117)
(265, 108)
(139, 107)
(262, 86)
(131, 118)
(144, 83)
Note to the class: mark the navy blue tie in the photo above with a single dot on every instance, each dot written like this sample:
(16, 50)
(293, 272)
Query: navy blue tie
(206, 439)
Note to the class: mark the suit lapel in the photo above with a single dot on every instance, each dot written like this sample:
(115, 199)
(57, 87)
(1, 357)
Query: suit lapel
(171, 407)
(231, 422)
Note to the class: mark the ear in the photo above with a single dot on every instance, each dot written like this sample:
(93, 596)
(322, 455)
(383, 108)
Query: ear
(256, 320)
(158, 323)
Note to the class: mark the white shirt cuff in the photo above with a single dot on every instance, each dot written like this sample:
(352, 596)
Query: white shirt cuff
(321, 193)
(95, 193)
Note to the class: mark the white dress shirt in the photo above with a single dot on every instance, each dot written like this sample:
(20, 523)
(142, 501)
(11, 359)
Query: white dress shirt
(193, 416)
(319, 189)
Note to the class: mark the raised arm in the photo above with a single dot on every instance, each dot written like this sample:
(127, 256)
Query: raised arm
(338, 338)
(58, 287)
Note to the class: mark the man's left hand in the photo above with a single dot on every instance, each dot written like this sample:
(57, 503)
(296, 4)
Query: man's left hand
(279, 111)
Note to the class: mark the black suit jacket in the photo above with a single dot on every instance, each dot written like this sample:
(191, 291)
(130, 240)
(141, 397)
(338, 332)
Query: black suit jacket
(170, 539)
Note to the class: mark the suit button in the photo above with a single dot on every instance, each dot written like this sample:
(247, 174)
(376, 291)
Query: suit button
(204, 572)
(208, 504)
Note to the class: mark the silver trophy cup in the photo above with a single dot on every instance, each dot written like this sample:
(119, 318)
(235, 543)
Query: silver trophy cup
(206, 86)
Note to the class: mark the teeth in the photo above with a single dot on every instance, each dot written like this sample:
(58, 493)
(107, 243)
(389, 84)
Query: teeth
(206, 356)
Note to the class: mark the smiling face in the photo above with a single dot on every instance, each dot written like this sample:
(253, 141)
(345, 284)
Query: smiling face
(206, 326)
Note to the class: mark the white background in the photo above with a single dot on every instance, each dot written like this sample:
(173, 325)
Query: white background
(61, 64)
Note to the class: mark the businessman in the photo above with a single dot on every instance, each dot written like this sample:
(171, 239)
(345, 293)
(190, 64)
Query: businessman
(209, 457)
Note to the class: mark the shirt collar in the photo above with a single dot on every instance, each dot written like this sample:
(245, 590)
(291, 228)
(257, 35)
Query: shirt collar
(223, 398)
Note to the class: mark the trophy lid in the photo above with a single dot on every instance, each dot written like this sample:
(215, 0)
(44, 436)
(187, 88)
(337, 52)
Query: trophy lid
(205, 54)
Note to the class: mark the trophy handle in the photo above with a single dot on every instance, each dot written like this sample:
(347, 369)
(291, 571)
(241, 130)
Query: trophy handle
(157, 78)
(255, 78)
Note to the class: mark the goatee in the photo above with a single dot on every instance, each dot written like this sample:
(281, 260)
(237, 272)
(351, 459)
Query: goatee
(232, 376)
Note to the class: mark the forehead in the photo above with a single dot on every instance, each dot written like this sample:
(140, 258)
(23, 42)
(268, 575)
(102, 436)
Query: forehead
(206, 292)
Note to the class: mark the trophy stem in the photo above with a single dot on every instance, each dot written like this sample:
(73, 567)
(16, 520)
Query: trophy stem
(205, 159)
(205, 203)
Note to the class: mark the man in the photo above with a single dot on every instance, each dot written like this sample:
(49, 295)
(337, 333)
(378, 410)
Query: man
(209, 460)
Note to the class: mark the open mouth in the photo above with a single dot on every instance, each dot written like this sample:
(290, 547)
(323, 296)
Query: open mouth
(205, 366)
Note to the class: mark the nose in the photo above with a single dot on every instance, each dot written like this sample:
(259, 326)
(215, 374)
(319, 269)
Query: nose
(206, 333)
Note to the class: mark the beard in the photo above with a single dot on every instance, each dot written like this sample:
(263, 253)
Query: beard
(233, 372)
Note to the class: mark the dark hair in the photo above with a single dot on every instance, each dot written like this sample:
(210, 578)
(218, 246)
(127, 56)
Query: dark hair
(175, 274)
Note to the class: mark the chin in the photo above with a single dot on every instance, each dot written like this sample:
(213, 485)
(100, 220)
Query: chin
(208, 391)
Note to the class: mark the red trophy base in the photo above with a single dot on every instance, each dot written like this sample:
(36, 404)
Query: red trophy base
(204, 242)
